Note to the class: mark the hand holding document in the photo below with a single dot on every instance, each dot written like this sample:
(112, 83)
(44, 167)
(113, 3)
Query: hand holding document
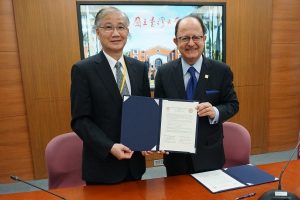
(159, 124)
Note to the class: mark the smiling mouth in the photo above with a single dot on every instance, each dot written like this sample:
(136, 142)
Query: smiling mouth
(116, 41)
(190, 49)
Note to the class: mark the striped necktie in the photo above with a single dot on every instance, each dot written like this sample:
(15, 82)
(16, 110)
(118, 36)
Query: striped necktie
(120, 76)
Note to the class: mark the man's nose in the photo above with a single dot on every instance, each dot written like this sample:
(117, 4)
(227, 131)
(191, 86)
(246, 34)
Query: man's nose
(191, 41)
(115, 31)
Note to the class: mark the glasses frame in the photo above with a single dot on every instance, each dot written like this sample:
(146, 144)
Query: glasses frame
(110, 28)
(194, 38)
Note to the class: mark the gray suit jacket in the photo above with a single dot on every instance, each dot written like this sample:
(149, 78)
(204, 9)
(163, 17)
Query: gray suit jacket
(215, 85)
(96, 106)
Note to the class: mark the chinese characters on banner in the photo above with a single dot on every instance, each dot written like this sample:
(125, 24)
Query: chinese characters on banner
(154, 22)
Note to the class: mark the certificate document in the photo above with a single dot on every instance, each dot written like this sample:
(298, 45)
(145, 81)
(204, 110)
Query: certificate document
(178, 126)
(217, 181)
(158, 124)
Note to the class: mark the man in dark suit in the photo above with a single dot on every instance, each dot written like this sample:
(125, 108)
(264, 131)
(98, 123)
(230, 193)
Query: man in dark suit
(98, 84)
(197, 78)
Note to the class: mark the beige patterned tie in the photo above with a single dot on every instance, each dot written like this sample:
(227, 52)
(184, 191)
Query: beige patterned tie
(123, 90)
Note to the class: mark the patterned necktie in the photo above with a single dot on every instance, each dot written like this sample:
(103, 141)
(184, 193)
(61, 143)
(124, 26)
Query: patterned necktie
(190, 88)
(123, 90)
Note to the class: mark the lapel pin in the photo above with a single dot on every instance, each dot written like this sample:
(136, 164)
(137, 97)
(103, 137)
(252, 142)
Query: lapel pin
(206, 76)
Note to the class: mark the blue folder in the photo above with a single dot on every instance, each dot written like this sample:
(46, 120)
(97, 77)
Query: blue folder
(249, 175)
(140, 127)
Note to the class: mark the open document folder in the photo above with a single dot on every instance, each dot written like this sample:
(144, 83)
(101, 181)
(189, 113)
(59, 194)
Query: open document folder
(233, 178)
(158, 124)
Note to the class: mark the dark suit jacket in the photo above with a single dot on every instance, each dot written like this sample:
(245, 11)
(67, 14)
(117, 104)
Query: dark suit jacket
(96, 106)
(214, 86)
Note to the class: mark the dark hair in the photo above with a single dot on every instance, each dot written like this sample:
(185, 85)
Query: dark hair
(107, 10)
(195, 16)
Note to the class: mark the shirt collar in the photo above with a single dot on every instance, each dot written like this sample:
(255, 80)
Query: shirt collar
(197, 65)
(112, 62)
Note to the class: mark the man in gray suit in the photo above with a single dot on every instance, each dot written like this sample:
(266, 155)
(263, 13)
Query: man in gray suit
(195, 77)
(98, 84)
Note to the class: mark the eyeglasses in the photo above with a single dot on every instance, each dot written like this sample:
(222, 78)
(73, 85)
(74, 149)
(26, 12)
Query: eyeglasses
(111, 28)
(195, 38)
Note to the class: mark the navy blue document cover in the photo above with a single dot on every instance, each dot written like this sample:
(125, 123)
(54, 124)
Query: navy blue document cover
(249, 175)
(141, 123)
(233, 178)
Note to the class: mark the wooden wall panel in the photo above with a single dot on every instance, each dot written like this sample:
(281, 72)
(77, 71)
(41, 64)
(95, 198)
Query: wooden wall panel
(15, 153)
(52, 117)
(49, 45)
(12, 101)
(286, 22)
(248, 51)
(251, 114)
(248, 40)
(284, 115)
(8, 40)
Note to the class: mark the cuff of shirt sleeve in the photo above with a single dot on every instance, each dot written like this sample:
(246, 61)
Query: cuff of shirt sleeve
(216, 119)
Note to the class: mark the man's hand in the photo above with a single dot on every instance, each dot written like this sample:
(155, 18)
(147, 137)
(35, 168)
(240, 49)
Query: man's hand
(121, 152)
(205, 109)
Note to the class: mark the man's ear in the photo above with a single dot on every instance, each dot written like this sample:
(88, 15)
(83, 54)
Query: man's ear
(175, 40)
(97, 33)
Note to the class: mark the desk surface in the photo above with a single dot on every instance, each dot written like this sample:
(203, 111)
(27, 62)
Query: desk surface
(171, 188)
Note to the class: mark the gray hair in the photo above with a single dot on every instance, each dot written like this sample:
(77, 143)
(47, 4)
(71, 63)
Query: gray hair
(108, 10)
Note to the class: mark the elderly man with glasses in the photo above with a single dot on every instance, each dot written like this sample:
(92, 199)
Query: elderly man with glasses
(98, 84)
(197, 78)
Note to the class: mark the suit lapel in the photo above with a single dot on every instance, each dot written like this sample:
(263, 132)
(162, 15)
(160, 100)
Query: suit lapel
(177, 76)
(106, 75)
(202, 82)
